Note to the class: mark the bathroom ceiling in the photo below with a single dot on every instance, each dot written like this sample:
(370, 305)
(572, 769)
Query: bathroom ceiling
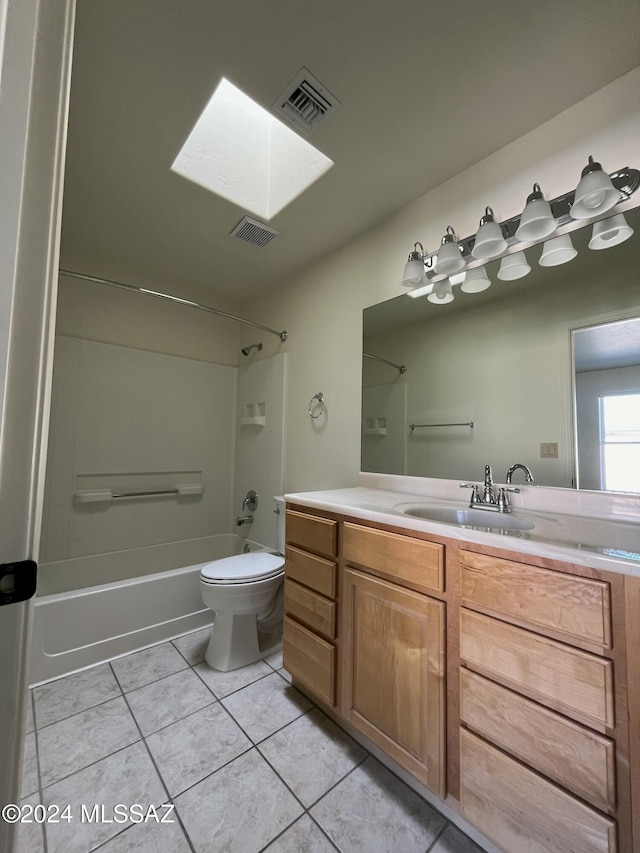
(426, 90)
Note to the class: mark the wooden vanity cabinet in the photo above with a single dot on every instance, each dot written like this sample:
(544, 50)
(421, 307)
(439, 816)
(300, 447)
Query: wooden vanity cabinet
(542, 735)
(393, 648)
(507, 685)
(310, 591)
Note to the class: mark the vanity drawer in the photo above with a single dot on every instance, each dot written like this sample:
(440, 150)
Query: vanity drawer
(568, 680)
(520, 810)
(396, 557)
(579, 759)
(315, 572)
(311, 609)
(312, 533)
(310, 659)
(578, 608)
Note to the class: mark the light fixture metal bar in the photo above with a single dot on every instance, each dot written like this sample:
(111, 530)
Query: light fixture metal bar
(399, 367)
(188, 302)
(625, 180)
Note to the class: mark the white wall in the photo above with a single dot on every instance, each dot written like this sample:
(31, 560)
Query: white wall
(322, 308)
(159, 418)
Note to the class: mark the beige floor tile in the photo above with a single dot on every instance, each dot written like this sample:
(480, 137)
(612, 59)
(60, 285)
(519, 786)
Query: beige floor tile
(373, 810)
(225, 683)
(149, 665)
(266, 706)
(303, 837)
(312, 754)
(170, 699)
(78, 741)
(193, 748)
(66, 696)
(239, 809)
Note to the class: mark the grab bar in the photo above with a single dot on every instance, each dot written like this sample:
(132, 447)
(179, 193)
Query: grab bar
(420, 426)
(97, 495)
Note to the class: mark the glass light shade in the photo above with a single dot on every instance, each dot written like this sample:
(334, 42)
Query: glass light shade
(442, 293)
(594, 194)
(557, 251)
(513, 267)
(489, 242)
(476, 280)
(413, 272)
(610, 232)
(449, 259)
(536, 221)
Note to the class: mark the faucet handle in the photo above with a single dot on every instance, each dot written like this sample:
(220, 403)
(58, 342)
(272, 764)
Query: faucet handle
(475, 495)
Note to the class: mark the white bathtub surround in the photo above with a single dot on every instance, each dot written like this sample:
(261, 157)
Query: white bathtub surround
(238, 756)
(75, 627)
(259, 460)
(118, 411)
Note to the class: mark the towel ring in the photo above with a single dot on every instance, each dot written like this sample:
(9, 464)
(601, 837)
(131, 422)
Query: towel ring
(319, 405)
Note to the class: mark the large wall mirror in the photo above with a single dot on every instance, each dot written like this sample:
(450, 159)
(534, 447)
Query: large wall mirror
(544, 371)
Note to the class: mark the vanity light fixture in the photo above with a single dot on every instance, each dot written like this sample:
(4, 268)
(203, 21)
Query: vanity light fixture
(595, 194)
(414, 268)
(557, 251)
(476, 280)
(610, 232)
(490, 240)
(449, 258)
(537, 220)
(513, 267)
(442, 293)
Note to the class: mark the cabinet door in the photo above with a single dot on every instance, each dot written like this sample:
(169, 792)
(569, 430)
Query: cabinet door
(394, 673)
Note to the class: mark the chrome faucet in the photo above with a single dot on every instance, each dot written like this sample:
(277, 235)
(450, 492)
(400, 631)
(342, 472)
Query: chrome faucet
(244, 519)
(527, 473)
(250, 501)
(488, 500)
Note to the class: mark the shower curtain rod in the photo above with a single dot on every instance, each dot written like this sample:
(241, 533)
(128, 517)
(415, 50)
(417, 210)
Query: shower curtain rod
(399, 367)
(282, 335)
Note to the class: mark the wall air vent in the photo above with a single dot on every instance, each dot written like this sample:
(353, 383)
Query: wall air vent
(306, 102)
(254, 232)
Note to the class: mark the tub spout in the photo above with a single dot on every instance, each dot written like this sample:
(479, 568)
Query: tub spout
(244, 519)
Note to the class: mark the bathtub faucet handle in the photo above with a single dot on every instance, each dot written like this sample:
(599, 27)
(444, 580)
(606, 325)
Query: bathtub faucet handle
(251, 501)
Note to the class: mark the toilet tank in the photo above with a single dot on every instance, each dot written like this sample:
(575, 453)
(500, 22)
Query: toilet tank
(280, 522)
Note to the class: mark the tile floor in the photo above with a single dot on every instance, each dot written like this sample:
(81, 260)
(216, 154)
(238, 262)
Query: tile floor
(245, 760)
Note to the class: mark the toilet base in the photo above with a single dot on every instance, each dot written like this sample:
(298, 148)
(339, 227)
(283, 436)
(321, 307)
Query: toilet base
(235, 643)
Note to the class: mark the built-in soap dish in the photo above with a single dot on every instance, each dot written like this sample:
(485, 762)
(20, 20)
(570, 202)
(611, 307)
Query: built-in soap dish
(254, 414)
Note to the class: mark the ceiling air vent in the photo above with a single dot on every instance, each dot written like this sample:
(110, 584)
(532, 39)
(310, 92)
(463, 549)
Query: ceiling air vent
(254, 232)
(306, 102)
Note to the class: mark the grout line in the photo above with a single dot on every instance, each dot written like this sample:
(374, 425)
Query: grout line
(438, 836)
(77, 713)
(157, 769)
(32, 699)
(324, 832)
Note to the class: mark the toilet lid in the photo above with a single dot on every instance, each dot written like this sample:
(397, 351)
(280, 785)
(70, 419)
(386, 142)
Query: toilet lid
(256, 565)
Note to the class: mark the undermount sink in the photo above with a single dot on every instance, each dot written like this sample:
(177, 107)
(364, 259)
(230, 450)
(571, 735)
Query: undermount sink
(469, 517)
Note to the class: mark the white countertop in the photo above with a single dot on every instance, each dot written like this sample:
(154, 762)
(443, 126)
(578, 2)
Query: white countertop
(609, 541)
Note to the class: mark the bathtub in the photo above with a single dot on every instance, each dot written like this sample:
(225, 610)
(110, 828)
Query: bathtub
(153, 594)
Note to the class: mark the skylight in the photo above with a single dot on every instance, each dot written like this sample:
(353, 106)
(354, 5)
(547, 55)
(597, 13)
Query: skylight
(241, 152)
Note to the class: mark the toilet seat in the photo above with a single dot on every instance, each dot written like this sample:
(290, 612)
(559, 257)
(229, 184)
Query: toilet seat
(243, 568)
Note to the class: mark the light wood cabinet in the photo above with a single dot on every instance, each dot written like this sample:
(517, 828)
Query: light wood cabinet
(505, 684)
(393, 672)
(310, 589)
(522, 811)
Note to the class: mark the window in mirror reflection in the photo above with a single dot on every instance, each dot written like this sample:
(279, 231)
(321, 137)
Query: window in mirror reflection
(620, 442)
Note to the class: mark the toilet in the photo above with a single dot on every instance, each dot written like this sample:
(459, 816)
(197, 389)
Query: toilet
(245, 593)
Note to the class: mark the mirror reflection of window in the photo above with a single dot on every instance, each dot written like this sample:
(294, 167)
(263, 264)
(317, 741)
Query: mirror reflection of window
(620, 442)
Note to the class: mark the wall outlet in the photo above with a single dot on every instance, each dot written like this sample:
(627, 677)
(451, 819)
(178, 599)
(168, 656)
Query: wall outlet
(549, 450)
